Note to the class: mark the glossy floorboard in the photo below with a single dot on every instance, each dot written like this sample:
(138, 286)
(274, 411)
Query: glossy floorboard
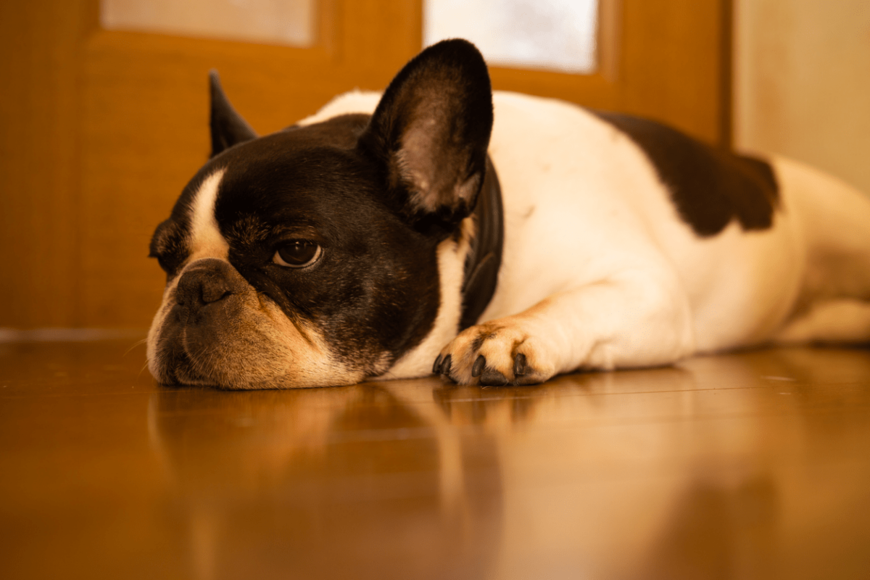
(752, 465)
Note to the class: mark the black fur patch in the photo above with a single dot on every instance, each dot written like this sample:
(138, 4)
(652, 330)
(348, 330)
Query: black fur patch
(484, 260)
(228, 128)
(168, 245)
(709, 187)
(375, 289)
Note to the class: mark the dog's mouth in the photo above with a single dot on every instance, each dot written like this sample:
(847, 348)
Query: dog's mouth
(175, 364)
(181, 373)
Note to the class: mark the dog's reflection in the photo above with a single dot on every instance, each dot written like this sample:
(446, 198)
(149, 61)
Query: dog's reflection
(667, 472)
(350, 482)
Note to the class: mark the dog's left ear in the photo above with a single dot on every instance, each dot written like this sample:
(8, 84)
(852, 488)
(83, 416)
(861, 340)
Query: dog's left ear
(431, 131)
(228, 128)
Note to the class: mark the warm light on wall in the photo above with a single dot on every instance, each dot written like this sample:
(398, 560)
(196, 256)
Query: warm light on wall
(555, 35)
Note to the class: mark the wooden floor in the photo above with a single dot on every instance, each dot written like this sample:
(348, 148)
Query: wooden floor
(753, 465)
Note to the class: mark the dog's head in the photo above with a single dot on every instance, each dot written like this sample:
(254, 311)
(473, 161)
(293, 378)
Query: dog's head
(316, 255)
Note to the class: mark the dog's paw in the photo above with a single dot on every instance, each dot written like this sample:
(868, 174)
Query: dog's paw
(495, 354)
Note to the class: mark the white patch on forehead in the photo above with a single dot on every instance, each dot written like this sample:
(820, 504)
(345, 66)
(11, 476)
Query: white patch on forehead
(206, 240)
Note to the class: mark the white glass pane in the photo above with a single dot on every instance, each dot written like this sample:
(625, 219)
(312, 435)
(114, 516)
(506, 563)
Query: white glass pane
(548, 34)
(264, 21)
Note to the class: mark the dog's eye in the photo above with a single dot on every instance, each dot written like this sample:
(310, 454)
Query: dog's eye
(297, 254)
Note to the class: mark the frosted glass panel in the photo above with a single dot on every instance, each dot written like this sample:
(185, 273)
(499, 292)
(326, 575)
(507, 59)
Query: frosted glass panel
(548, 34)
(264, 21)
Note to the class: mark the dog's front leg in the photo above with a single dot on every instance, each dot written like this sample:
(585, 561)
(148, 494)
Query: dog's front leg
(630, 320)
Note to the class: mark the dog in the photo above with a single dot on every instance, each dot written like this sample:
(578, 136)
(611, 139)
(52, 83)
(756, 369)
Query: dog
(493, 239)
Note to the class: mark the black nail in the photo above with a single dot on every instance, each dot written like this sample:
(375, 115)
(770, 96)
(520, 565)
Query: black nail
(436, 368)
(446, 364)
(493, 378)
(520, 367)
(478, 367)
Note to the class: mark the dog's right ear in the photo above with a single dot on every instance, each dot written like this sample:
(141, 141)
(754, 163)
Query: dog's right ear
(227, 126)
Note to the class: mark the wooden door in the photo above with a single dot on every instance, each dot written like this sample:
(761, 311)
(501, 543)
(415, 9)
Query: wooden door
(102, 129)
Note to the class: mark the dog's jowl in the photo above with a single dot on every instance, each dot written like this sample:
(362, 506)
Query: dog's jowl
(492, 238)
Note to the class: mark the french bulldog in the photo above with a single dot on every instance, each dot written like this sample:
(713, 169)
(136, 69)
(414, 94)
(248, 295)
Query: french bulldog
(493, 238)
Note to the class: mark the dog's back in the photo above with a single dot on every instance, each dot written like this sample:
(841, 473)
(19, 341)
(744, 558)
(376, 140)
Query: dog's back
(794, 280)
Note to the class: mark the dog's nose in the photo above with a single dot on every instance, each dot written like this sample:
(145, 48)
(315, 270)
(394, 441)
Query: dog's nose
(201, 287)
(204, 284)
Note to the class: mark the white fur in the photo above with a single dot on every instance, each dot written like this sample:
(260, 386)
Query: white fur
(600, 271)
(353, 102)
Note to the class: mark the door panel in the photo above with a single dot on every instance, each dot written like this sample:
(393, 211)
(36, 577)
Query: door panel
(39, 162)
(662, 59)
(102, 129)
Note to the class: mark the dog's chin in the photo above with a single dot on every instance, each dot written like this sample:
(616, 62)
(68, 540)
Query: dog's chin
(180, 372)
(235, 359)
(182, 359)
(189, 372)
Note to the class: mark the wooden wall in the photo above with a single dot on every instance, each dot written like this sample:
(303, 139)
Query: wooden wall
(802, 83)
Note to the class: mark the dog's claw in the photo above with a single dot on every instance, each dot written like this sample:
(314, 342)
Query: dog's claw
(478, 367)
(493, 378)
(436, 368)
(445, 365)
(520, 367)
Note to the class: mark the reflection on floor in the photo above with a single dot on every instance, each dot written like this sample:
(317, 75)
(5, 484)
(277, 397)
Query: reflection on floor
(750, 465)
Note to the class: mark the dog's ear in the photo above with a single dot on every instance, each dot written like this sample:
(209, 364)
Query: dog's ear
(227, 126)
(431, 131)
